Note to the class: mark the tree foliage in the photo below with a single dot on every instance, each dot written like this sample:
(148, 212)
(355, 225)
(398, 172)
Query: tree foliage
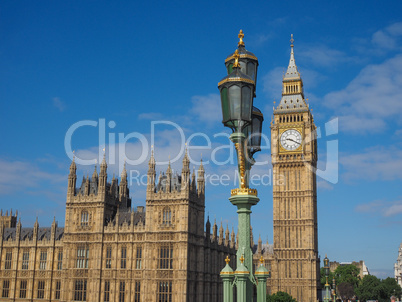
(372, 288)
(280, 297)
(369, 288)
(347, 274)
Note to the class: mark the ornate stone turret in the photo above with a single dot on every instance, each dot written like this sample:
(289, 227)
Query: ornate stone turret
(93, 188)
(201, 180)
(35, 229)
(220, 234)
(53, 229)
(86, 192)
(103, 177)
(208, 229)
(72, 179)
(95, 175)
(151, 174)
(214, 231)
(123, 187)
(232, 238)
(185, 173)
(193, 182)
(18, 231)
(169, 178)
(259, 247)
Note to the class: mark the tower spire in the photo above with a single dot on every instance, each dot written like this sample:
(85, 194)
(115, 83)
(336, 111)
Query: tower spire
(292, 87)
(292, 72)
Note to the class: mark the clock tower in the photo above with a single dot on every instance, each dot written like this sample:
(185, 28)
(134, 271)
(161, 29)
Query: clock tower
(295, 267)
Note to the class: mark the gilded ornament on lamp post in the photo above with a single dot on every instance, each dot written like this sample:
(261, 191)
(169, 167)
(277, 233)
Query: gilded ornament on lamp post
(237, 92)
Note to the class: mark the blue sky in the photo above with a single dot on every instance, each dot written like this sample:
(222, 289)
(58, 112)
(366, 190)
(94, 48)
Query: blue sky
(132, 63)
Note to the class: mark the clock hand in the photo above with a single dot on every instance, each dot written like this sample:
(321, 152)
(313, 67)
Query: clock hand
(293, 141)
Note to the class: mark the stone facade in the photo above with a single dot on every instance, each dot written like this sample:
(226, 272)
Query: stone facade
(109, 252)
(295, 262)
(398, 267)
(363, 269)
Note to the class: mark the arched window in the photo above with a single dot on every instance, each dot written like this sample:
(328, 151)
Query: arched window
(167, 216)
(84, 218)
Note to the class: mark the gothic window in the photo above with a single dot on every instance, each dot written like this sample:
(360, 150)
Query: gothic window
(9, 258)
(41, 290)
(57, 293)
(167, 216)
(6, 288)
(42, 261)
(123, 257)
(166, 257)
(137, 291)
(60, 260)
(165, 291)
(106, 297)
(122, 291)
(138, 258)
(84, 218)
(25, 260)
(82, 257)
(109, 257)
(80, 290)
(23, 289)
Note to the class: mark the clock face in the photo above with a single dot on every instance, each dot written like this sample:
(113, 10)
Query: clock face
(291, 139)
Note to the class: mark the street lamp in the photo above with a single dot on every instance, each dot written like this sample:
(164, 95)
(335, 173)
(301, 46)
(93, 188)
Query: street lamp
(237, 92)
(327, 287)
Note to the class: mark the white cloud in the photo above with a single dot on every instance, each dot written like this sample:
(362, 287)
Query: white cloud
(59, 104)
(388, 38)
(207, 108)
(322, 55)
(23, 175)
(272, 83)
(376, 163)
(373, 96)
(383, 208)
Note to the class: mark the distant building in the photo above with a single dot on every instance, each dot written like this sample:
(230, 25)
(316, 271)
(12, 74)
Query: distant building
(364, 271)
(398, 267)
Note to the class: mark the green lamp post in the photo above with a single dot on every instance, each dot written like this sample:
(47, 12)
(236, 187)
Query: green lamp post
(237, 92)
(333, 289)
(327, 287)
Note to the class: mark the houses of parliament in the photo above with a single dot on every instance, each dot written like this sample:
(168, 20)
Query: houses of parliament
(108, 251)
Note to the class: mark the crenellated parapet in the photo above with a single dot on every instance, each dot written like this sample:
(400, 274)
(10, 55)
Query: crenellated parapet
(224, 239)
(97, 188)
(170, 185)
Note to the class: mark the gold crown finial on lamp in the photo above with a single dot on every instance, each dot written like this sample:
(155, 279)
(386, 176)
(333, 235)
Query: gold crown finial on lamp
(241, 259)
(241, 36)
(262, 260)
(227, 260)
